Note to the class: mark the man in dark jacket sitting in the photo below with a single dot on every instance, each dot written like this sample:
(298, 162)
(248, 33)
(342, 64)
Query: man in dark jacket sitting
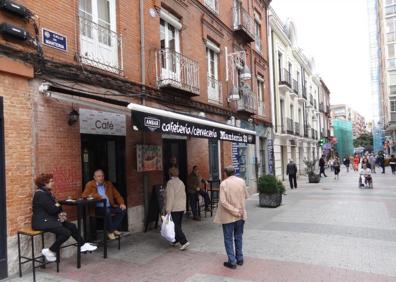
(291, 170)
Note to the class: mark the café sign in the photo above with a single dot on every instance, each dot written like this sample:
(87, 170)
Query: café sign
(102, 123)
(165, 125)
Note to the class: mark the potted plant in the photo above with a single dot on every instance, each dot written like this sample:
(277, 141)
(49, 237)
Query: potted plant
(310, 170)
(270, 191)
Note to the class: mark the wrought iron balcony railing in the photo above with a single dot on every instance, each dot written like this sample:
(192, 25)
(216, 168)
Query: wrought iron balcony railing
(177, 71)
(321, 107)
(100, 47)
(247, 102)
(215, 91)
(285, 78)
(295, 86)
(243, 23)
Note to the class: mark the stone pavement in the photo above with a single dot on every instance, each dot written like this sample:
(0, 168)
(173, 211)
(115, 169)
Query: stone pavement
(331, 231)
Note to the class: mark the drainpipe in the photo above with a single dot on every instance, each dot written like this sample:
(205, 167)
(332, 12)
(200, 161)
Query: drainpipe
(143, 83)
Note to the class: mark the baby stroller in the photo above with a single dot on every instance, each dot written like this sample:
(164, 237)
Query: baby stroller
(365, 181)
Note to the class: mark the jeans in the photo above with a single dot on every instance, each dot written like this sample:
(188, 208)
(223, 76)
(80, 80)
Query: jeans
(322, 171)
(233, 231)
(114, 217)
(193, 199)
(293, 179)
(177, 220)
(63, 233)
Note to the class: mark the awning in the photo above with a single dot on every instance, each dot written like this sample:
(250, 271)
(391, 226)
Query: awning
(155, 120)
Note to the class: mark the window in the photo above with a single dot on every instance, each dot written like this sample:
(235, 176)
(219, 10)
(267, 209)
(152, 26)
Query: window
(212, 53)
(169, 42)
(213, 5)
(280, 64)
(292, 112)
(392, 89)
(99, 41)
(260, 94)
(393, 105)
(257, 31)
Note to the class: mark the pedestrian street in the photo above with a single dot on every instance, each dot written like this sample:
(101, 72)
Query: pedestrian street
(331, 231)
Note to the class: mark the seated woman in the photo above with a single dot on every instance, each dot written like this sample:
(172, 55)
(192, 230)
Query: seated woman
(46, 217)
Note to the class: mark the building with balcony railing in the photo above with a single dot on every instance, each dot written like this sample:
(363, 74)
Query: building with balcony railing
(295, 88)
(130, 86)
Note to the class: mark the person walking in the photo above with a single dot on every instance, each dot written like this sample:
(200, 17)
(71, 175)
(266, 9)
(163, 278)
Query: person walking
(372, 160)
(322, 164)
(346, 162)
(356, 161)
(381, 161)
(337, 167)
(176, 205)
(232, 214)
(291, 170)
(392, 163)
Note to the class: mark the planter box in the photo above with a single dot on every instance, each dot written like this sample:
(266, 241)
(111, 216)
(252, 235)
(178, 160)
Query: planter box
(270, 201)
(313, 178)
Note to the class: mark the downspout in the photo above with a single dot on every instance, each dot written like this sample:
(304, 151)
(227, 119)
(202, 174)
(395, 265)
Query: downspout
(143, 100)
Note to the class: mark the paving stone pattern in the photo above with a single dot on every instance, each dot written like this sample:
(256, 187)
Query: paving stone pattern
(331, 231)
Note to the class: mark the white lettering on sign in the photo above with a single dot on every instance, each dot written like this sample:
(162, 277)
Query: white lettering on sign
(103, 123)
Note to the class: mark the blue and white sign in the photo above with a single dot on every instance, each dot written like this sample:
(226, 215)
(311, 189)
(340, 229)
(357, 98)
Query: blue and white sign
(54, 40)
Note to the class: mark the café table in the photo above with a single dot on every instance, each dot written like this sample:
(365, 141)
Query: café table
(82, 206)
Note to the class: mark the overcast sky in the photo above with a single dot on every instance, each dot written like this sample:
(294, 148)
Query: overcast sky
(335, 33)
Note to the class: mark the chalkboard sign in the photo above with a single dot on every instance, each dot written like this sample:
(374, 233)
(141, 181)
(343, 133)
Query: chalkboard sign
(156, 205)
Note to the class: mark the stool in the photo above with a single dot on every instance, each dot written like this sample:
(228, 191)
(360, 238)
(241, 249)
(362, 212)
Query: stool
(40, 259)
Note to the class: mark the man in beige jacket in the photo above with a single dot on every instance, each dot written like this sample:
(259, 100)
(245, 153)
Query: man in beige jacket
(176, 205)
(232, 214)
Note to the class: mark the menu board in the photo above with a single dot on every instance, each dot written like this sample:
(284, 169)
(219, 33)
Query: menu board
(235, 157)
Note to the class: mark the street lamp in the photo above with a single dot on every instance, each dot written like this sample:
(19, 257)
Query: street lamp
(236, 65)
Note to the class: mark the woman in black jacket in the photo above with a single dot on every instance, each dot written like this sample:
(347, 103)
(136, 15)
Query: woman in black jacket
(46, 217)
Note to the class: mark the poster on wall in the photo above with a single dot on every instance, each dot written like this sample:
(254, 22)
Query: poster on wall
(270, 149)
(149, 158)
(235, 157)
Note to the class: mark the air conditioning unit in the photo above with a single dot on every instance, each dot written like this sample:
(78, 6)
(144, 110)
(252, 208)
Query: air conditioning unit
(16, 9)
(9, 30)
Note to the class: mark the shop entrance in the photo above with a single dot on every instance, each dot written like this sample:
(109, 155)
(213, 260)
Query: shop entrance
(214, 159)
(107, 153)
(175, 148)
(3, 216)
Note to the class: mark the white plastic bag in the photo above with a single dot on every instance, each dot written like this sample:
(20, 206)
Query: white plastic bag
(168, 228)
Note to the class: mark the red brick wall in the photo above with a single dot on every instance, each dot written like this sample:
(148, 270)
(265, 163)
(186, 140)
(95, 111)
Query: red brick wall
(198, 154)
(18, 149)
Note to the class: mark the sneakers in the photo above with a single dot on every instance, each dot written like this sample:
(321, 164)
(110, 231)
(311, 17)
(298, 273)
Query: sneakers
(174, 244)
(240, 262)
(49, 255)
(117, 233)
(111, 236)
(185, 246)
(88, 247)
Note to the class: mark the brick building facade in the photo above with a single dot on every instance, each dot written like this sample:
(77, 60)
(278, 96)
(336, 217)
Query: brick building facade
(195, 56)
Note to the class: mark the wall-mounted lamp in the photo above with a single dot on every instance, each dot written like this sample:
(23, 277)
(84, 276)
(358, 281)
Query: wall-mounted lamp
(73, 117)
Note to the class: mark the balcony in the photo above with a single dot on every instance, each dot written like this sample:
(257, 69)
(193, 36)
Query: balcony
(307, 128)
(248, 101)
(303, 97)
(321, 107)
(310, 103)
(243, 23)
(294, 92)
(215, 91)
(100, 47)
(392, 116)
(297, 128)
(176, 72)
(285, 81)
(290, 124)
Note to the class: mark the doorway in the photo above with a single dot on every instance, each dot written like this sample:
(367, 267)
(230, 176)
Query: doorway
(3, 215)
(175, 148)
(107, 153)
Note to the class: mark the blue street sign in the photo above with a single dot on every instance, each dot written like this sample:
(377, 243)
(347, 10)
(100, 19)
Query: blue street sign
(54, 40)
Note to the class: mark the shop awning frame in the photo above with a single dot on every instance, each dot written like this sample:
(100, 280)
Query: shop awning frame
(248, 135)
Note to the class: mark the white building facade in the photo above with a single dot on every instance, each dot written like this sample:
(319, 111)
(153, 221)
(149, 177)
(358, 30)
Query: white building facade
(295, 99)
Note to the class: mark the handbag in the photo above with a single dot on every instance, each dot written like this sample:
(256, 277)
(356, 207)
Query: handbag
(62, 216)
(168, 228)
